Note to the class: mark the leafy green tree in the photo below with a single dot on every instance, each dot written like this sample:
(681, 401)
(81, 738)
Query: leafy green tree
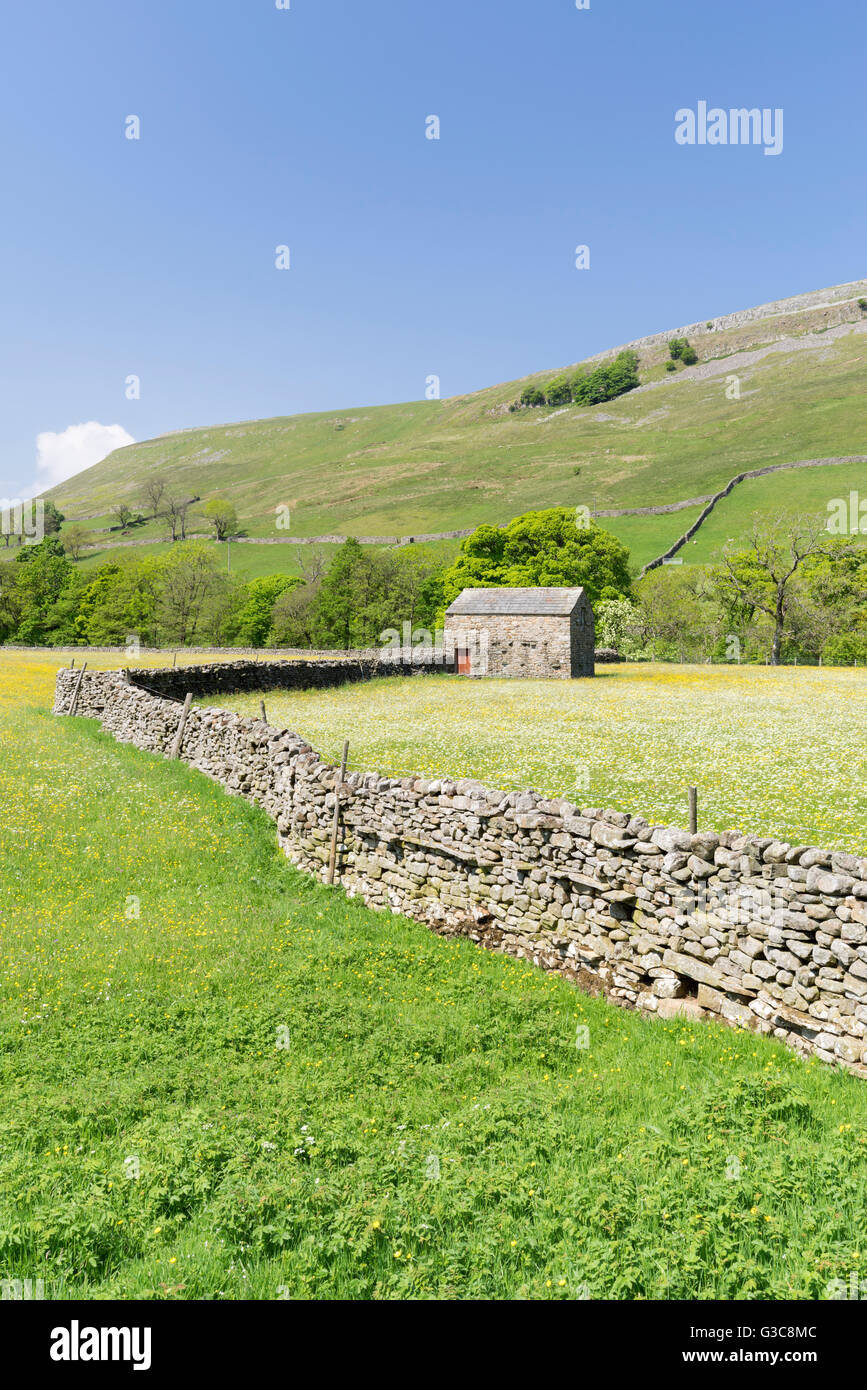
(75, 540)
(10, 600)
(223, 517)
(681, 350)
(253, 621)
(541, 549)
(623, 373)
(347, 608)
(761, 576)
(676, 618)
(292, 618)
(559, 391)
(52, 518)
(43, 574)
(193, 593)
(532, 395)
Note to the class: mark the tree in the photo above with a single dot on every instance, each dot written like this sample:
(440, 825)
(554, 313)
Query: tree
(75, 540)
(223, 517)
(623, 373)
(123, 514)
(52, 519)
(761, 575)
(831, 612)
(559, 391)
(43, 574)
(192, 592)
(253, 620)
(675, 618)
(10, 600)
(175, 512)
(153, 494)
(541, 549)
(532, 395)
(680, 349)
(616, 624)
(342, 615)
(292, 618)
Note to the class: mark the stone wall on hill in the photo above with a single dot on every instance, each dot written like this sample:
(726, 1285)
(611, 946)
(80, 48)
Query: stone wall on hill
(737, 928)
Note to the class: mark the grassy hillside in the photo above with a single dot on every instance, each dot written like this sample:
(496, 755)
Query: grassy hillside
(252, 1087)
(426, 466)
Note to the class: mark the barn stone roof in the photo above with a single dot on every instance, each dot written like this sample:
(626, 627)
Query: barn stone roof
(530, 602)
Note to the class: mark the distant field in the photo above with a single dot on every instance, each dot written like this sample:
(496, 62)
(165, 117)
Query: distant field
(791, 492)
(225, 1081)
(799, 490)
(780, 752)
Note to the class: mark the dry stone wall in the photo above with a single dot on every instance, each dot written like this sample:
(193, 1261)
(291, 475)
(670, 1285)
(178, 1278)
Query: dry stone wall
(749, 931)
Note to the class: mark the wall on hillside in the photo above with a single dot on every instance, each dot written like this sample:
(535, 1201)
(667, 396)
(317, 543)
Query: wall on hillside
(740, 929)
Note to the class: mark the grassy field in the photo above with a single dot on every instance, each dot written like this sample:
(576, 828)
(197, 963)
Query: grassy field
(778, 752)
(425, 466)
(252, 561)
(222, 1080)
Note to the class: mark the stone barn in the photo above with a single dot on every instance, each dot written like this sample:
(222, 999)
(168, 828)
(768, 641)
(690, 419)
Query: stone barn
(521, 632)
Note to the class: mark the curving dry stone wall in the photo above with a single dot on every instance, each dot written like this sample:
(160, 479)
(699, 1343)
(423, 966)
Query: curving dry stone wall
(749, 931)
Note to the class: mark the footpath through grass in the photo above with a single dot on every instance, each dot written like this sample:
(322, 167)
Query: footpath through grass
(222, 1080)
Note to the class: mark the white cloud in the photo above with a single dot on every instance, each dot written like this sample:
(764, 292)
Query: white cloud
(61, 455)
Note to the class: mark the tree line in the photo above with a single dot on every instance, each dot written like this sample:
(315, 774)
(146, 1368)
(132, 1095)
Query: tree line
(789, 592)
(585, 387)
(186, 598)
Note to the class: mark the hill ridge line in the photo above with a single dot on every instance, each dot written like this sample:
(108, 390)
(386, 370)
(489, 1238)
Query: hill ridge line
(832, 297)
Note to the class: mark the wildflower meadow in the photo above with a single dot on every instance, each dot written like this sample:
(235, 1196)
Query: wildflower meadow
(223, 1080)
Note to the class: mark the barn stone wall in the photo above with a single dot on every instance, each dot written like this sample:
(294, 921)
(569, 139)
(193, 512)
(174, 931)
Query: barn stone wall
(745, 930)
(518, 645)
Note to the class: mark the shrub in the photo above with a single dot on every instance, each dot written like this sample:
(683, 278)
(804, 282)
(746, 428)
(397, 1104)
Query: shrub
(531, 395)
(845, 649)
(681, 350)
(559, 391)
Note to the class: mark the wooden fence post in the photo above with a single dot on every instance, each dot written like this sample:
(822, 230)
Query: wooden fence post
(332, 858)
(77, 691)
(176, 746)
(693, 811)
(262, 708)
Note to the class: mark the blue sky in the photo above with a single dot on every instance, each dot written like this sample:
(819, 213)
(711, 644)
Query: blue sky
(409, 256)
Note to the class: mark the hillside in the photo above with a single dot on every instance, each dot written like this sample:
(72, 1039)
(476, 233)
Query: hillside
(432, 466)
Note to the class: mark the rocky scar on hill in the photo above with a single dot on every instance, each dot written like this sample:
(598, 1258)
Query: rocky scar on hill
(748, 931)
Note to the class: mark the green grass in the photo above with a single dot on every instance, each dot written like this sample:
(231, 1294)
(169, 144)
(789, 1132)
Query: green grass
(425, 466)
(775, 752)
(801, 490)
(252, 561)
(431, 1130)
